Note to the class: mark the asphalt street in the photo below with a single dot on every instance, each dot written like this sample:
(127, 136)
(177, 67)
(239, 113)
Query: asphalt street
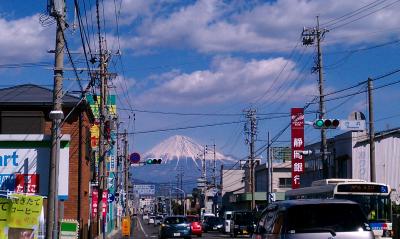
(140, 230)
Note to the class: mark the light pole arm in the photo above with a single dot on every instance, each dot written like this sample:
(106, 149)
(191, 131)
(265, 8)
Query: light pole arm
(184, 200)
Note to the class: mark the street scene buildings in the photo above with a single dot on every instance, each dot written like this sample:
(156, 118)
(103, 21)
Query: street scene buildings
(207, 118)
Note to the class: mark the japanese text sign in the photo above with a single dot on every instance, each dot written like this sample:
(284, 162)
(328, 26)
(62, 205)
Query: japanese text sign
(104, 203)
(25, 211)
(5, 205)
(95, 201)
(297, 145)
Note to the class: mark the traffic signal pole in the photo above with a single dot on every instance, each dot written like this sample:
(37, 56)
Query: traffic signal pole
(308, 39)
(324, 146)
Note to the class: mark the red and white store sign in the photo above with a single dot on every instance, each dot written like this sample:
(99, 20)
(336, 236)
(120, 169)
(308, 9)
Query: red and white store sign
(95, 200)
(297, 144)
(27, 183)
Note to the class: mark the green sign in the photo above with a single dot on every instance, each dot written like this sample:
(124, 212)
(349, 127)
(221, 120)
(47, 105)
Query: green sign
(69, 229)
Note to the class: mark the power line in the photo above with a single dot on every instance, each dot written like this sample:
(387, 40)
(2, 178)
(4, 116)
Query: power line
(352, 13)
(365, 15)
(203, 126)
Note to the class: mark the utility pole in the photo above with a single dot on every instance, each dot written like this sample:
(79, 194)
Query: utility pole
(102, 180)
(269, 171)
(170, 199)
(58, 12)
(126, 171)
(204, 169)
(251, 115)
(309, 35)
(371, 133)
(214, 168)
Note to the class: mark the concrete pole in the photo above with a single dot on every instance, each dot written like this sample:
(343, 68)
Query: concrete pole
(324, 146)
(252, 169)
(56, 115)
(371, 132)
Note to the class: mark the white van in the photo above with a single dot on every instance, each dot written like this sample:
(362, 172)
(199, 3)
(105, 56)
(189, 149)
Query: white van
(228, 220)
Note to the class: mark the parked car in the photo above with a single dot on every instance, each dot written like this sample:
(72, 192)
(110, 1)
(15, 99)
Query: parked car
(213, 224)
(195, 225)
(158, 220)
(175, 226)
(145, 216)
(205, 215)
(313, 218)
(243, 223)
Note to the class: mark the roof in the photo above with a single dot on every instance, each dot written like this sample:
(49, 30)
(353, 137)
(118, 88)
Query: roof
(382, 134)
(295, 202)
(32, 95)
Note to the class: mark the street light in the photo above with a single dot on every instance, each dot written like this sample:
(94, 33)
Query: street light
(184, 200)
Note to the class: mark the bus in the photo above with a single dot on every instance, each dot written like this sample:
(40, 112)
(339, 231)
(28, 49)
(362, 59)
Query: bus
(374, 199)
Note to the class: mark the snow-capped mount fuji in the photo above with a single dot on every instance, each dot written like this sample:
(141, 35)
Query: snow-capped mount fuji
(179, 153)
(179, 147)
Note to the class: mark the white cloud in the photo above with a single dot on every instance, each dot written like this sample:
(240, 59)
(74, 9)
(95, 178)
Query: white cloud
(230, 79)
(24, 39)
(213, 26)
(127, 10)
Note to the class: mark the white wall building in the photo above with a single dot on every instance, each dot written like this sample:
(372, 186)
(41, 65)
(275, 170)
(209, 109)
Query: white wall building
(350, 158)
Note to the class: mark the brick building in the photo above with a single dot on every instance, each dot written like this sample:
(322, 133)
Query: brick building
(24, 110)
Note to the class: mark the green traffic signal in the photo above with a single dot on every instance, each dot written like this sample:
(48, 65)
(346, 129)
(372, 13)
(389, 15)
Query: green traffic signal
(153, 161)
(326, 123)
(319, 123)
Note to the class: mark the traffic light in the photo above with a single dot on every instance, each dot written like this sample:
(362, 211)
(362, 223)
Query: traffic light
(326, 123)
(153, 161)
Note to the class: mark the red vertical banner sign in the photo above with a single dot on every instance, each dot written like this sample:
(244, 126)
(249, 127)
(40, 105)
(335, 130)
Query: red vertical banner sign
(297, 144)
(95, 200)
(104, 203)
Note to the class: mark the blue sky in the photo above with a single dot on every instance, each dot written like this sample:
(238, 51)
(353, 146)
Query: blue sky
(215, 57)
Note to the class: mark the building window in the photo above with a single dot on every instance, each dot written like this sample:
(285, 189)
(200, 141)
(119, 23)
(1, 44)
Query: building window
(22, 122)
(285, 182)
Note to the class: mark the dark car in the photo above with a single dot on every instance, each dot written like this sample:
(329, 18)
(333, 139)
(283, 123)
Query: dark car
(313, 218)
(213, 224)
(175, 226)
(243, 223)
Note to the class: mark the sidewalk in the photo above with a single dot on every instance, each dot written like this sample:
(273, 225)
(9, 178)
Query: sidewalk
(116, 233)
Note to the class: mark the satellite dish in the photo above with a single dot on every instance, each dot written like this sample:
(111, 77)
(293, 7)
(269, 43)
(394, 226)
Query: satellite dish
(356, 116)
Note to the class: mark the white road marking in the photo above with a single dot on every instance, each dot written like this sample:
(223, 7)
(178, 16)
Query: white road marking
(141, 228)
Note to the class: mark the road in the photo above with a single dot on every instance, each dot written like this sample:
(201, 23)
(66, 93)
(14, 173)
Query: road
(140, 230)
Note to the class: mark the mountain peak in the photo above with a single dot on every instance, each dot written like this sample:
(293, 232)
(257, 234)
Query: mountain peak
(181, 147)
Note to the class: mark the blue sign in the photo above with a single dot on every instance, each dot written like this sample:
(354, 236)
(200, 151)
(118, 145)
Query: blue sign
(111, 198)
(134, 157)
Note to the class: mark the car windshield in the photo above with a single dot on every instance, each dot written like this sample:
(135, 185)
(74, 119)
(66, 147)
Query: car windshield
(214, 220)
(175, 220)
(375, 207)
(325, 217)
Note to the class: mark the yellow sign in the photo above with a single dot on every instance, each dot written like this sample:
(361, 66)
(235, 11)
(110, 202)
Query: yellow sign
(126, 226)
(5, 205)
(25, 211)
